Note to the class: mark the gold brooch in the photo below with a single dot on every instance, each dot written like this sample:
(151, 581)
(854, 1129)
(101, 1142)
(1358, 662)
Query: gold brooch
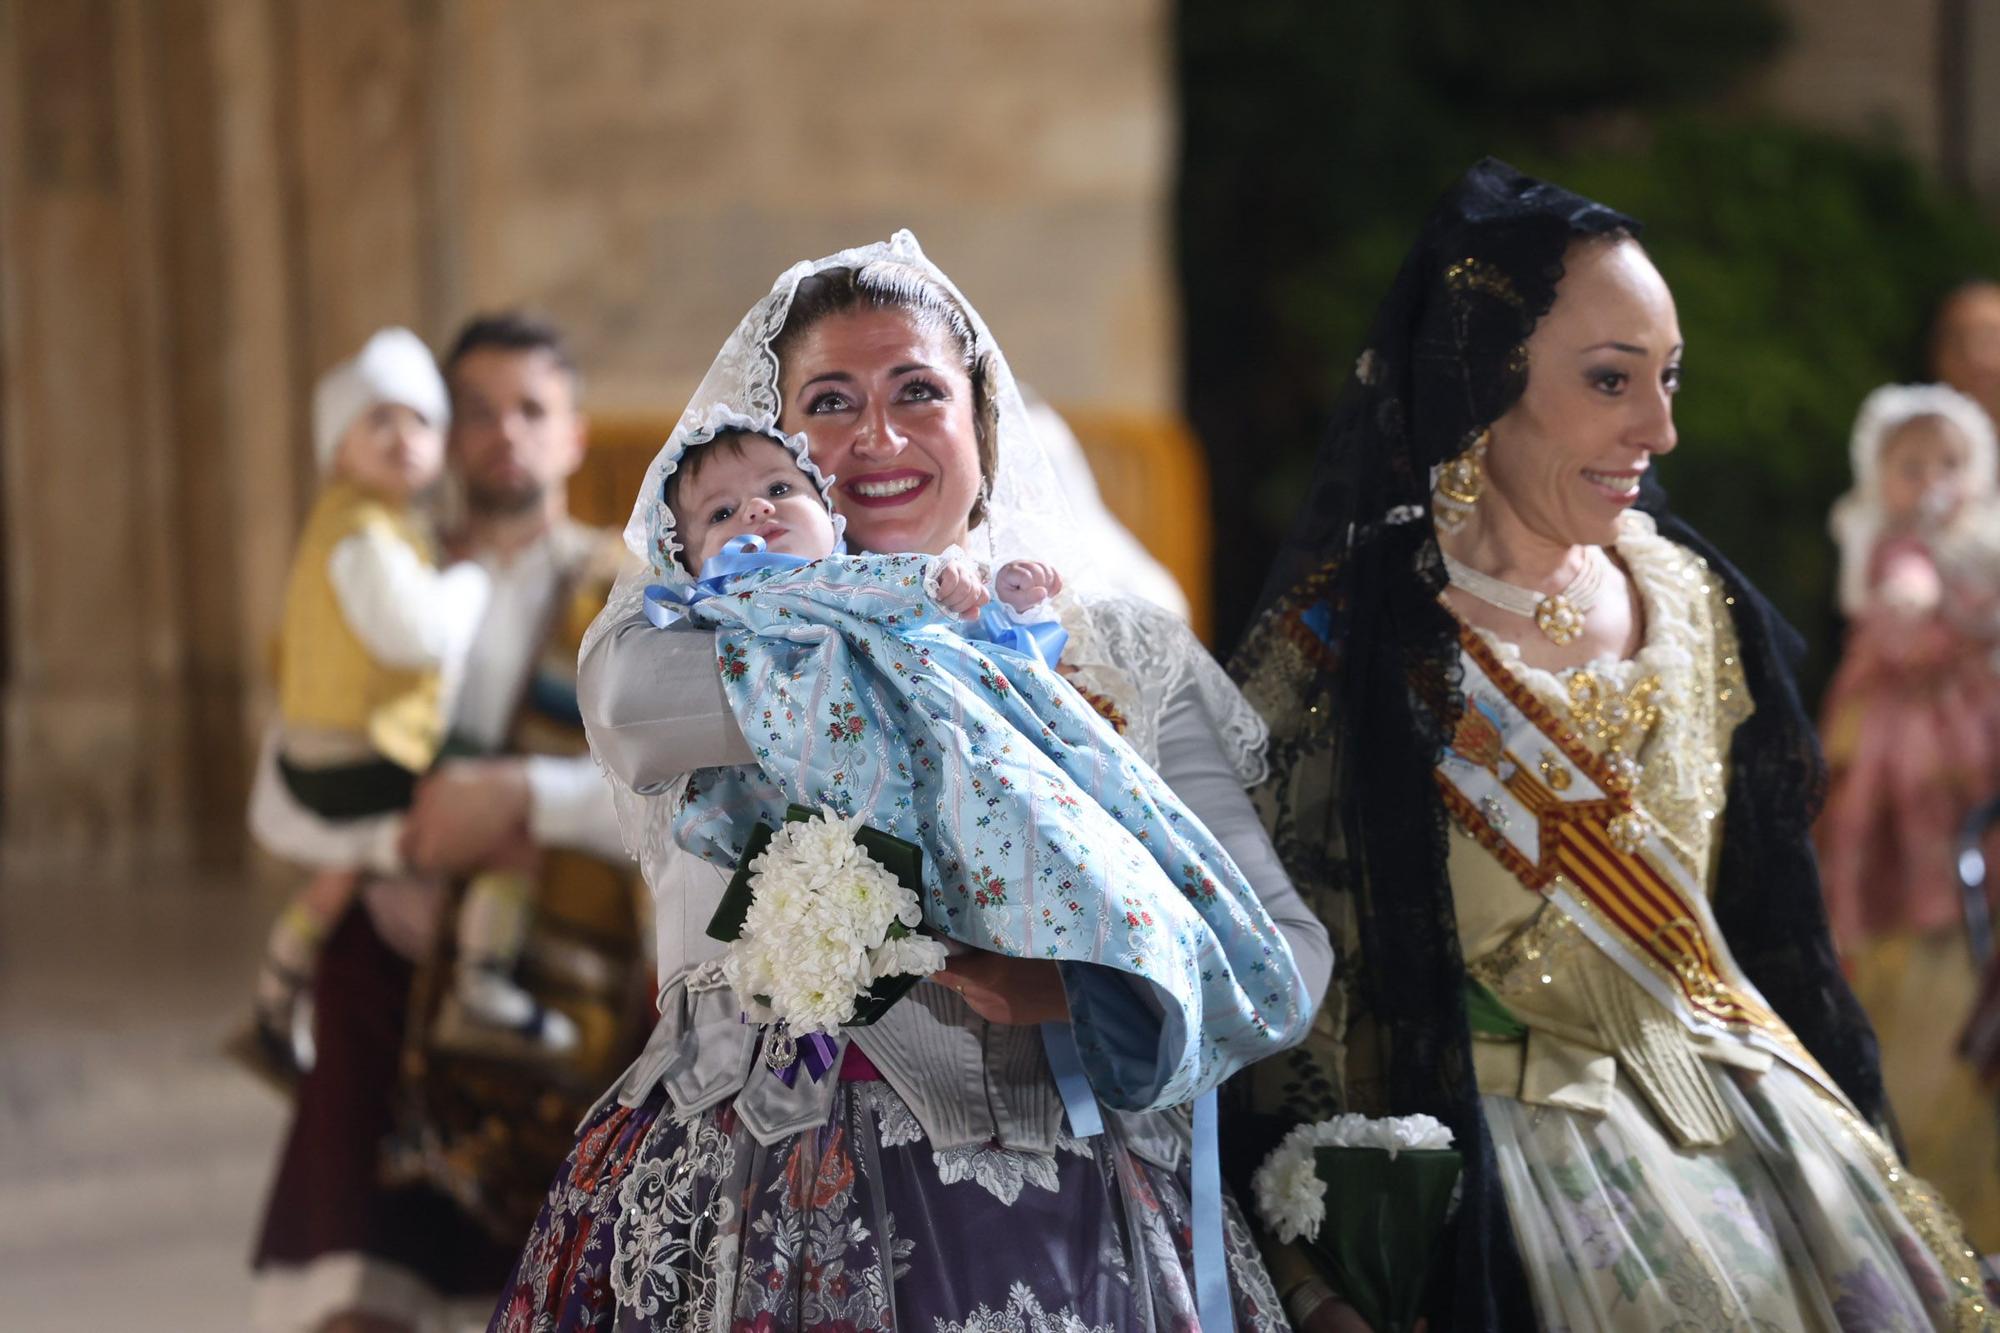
(1628, 832)
(1558, 619)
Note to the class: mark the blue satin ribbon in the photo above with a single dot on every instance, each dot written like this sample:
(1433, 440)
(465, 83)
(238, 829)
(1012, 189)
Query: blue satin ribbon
(1319, 619)
(1211, 1264)
(739, 555)
(1066, 1065)
(1042, 640)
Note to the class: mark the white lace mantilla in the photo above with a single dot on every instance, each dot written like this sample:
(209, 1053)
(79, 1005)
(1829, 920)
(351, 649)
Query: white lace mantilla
(1138, 656)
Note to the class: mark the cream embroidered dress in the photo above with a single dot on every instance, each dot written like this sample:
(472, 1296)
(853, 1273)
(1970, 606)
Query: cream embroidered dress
(1657, 1180)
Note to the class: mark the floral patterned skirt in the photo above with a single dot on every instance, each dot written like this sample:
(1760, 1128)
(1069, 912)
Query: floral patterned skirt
(1803, 1220)
(658, 1223)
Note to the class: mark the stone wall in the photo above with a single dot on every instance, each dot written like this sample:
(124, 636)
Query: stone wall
(1921, 75)
(1863, 68)
(203, 202)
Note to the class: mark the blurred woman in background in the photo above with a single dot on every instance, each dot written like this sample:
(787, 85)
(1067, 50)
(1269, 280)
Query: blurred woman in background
(1911, 728)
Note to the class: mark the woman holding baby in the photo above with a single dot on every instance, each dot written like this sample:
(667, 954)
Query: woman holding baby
(944, 1172)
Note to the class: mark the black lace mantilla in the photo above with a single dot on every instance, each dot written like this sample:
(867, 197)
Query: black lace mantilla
(1356, 664)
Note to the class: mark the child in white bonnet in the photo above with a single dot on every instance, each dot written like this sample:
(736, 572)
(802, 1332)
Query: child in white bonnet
(372, 643)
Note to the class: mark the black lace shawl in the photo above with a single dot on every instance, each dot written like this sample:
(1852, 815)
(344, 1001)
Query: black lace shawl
(1356, 664)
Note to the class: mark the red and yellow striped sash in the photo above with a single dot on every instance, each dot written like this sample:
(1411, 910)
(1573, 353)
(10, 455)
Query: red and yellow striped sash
(1590, 839)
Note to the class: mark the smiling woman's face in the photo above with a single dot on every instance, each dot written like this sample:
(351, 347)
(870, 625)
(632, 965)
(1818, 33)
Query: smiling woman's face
(883, 397)
(1603, 367)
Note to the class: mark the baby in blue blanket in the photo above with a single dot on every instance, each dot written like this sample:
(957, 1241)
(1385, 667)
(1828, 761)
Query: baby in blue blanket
(861, 685)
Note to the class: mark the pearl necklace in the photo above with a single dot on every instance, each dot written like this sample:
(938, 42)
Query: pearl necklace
(1558, 615)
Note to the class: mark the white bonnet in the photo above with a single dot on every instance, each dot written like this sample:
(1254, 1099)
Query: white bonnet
(1857, 520)
(394, 366)
(1892, 405)
(691, 433)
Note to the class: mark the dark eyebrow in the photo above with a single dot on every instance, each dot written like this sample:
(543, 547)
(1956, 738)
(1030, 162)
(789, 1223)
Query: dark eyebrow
(1628, 348)
(842, 377)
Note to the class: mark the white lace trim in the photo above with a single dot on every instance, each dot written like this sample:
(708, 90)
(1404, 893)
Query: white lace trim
(1024, 1314)
(1672, 584)
(1001, 1172)
(1139, 656)
(1672, 639)
(664, 543)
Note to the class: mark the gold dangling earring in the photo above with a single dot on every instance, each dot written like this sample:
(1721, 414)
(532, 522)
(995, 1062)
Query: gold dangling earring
(1460, 483)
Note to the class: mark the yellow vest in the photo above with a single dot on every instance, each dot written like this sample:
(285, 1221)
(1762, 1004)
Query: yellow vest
(326, 678)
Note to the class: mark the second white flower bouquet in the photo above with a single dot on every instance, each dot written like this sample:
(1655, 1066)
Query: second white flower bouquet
(821, 919)
(1368, 1198)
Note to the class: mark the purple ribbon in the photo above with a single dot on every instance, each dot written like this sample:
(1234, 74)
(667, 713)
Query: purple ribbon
(816, 1053)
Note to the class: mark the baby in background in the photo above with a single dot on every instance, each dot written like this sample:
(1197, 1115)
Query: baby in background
(372, 644)
(1911, 722)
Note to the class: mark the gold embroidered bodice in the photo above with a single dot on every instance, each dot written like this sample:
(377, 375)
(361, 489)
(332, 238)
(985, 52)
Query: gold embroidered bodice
(1665, 718)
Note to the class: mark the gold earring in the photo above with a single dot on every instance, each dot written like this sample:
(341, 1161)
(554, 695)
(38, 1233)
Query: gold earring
(1460, 483)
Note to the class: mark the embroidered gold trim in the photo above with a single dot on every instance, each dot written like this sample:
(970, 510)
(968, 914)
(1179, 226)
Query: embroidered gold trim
(1625, 893)
(1935, 1225)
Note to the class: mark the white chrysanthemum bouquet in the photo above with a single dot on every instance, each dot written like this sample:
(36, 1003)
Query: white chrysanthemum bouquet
(821, 933)
(1368, 1198)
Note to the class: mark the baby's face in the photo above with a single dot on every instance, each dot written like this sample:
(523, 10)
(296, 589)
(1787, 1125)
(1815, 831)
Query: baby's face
(759, 490)
(1924, 471)
(392, 452)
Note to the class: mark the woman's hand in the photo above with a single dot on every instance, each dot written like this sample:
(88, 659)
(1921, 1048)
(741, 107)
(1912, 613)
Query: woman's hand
(467, 814)
(1018, 992)
(1314, 1308)
(1337, 1316)
(959, 590)
(1910, 586)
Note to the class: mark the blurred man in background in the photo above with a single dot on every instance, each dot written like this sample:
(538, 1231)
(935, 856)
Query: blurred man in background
(416, 1157)
(1965, 343)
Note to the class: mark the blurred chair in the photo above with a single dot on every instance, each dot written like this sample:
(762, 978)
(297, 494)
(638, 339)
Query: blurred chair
(1974, 876)
(603, 489)
(1979, 1042)
(1149, 469)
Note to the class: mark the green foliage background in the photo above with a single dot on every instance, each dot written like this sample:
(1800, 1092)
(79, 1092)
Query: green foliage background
(1316, 137)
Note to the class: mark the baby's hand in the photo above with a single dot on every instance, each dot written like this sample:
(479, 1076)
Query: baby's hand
(959, 590)
(1026, 583)
(1910, 586)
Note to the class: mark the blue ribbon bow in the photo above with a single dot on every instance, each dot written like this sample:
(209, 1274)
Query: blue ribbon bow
(739, 555)
(1043, 640)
